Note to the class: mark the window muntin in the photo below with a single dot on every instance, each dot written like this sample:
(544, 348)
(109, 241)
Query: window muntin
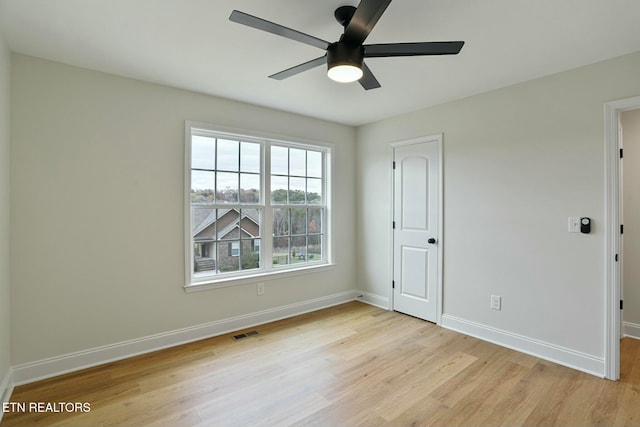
(233, 190)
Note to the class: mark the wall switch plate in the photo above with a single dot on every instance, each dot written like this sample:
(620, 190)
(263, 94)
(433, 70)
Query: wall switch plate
(496, 302)
(260, 288)
(574, 224)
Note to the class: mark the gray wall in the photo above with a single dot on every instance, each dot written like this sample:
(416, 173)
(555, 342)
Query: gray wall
(517, 163)
(96, 181)
(631, 219)
(5, 336)
(97, 210)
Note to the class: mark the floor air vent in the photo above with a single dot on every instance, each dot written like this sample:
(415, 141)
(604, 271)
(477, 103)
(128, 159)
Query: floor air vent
(245, 335)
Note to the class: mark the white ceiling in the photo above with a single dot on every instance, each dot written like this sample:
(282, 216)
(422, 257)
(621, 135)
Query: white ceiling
(191, 44)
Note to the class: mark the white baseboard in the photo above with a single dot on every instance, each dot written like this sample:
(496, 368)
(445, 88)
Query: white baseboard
(551, 352)
(46, 368)
(6, 388)
(373, 299)
(632, 330)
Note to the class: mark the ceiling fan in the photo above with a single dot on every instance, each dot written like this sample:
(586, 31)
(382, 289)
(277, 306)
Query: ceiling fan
(345, 58)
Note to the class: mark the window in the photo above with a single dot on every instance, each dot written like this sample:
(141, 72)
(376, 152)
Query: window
(254, 206)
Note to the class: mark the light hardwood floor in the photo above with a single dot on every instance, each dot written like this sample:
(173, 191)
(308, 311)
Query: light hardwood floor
(349, 365)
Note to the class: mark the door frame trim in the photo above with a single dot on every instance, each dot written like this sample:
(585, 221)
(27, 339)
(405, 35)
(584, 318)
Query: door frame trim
(612, 214)
(438, 139)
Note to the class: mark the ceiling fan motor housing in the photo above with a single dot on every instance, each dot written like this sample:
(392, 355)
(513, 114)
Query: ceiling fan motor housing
(343, 54)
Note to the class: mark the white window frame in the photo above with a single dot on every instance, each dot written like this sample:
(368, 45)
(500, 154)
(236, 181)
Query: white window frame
(267, 271)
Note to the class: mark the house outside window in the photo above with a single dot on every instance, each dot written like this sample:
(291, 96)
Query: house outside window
(254, 206)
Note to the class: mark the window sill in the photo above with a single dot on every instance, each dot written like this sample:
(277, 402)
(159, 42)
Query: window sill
(216, 283)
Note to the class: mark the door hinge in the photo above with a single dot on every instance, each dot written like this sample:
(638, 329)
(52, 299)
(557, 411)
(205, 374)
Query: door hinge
(621, 305)
(621, 229)
(616, 257)
(393, 284)
(393, 225)
(393, 164)
(621, 153)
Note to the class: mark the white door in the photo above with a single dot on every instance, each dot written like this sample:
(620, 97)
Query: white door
(416, 230)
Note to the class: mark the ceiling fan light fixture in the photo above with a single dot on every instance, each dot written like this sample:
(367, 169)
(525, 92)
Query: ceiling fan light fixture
(344, 73)
(344, 63)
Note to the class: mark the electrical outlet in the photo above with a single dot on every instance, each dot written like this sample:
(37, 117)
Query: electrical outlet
(496, 302)
(260, 288)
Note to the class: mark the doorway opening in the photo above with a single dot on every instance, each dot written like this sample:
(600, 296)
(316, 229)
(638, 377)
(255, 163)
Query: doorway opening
(614, 231)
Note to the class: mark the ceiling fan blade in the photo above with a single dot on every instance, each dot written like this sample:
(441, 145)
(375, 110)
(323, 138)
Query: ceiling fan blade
(289, 72)
(364, 19)
(368, 80)
(277, 29)
(412, 49)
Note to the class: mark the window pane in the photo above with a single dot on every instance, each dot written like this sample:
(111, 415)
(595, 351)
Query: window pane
(249, 157)
(297, 162)
(314, 164)
(314, 191)
(279, 186)
(314, 248)
(202, 184)
(279, 160)
(228, 155)
(228, 224)
(204, 257)
(203, 152)
(280, 222)
(250, 223)
(250, 254)
(299, 221)
(227, 187)
(280, 250)
(203, 224)
(297, 191)
(315, 220)
(249, 188)
(226, 260)
(298, 249)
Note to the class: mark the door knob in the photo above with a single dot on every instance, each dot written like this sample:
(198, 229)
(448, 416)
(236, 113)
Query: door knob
(431, 241)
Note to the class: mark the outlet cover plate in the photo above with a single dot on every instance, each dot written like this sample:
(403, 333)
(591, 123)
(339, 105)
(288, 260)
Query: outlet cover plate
(574, 224)
(496, 302)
